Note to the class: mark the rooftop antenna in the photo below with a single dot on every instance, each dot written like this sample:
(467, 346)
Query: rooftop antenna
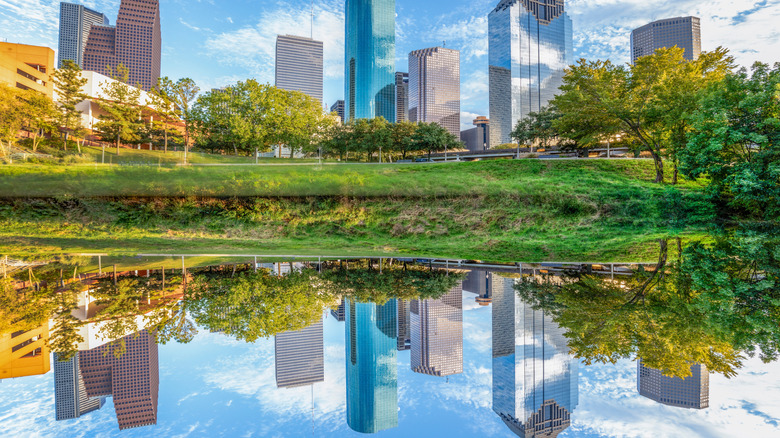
(312, 19)
(445, 43)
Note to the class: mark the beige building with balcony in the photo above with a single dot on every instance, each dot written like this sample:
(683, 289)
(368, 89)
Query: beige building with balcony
(27, 67)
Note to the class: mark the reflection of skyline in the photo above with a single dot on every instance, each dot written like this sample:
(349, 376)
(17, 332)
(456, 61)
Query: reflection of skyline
(132, 380)
(534, 377)
(372, 374)
(437, 334)
(70, 394)
(25, 353)
(693, 392)
(299, 357)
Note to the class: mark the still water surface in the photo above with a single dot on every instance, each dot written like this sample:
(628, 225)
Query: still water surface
(479, 352)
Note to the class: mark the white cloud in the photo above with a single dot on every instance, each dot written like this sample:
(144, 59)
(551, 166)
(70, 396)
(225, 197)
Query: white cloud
(253, 47)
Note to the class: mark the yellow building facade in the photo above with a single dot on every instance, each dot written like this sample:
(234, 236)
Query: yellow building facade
(27, 67)
(25, 353)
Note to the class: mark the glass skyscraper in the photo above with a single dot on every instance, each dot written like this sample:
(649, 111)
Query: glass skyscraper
(369, 75)
(372, 371)
(530, 46)
(299, 357)
(692, 392)
(534, 376)
(437, 334)
(434, 87)
(75, 23)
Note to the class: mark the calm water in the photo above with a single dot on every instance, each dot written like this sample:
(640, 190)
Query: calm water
(482, 352)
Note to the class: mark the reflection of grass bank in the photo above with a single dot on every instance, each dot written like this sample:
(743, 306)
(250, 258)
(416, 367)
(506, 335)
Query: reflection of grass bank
(506, 228)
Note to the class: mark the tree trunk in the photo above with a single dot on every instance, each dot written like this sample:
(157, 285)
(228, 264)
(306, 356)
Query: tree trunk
(659, 166)
(165, 148)
(117, 145)
(674, 176)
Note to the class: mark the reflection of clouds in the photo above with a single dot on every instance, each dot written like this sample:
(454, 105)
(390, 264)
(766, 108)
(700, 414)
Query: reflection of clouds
(610, 405)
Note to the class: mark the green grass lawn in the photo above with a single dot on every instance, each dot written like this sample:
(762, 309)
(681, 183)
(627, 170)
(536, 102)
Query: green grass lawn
(509, 210)
(153, 158)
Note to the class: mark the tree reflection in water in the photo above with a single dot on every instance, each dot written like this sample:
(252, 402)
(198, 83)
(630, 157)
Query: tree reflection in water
(710, 303)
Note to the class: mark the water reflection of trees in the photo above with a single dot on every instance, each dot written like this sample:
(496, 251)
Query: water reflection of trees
(710, 303)
(237, 300)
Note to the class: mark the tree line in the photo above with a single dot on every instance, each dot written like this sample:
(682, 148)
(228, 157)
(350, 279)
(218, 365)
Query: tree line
(702, 117)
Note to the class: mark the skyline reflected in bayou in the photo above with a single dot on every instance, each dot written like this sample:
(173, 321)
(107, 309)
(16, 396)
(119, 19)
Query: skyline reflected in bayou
(403, 346)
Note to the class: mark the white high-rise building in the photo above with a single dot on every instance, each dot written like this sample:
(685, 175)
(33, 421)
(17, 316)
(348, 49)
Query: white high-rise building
(299, 65)
(75, 22)
(299, 357)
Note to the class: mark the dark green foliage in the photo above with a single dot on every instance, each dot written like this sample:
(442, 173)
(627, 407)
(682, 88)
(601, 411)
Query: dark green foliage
(736, 142)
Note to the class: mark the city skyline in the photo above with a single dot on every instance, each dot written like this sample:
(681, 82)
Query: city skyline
(219, 44)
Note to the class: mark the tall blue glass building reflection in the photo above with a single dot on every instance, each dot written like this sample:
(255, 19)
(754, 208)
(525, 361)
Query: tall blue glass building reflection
(530, 46)
(534, 377)
(372, 371)
(369, 75)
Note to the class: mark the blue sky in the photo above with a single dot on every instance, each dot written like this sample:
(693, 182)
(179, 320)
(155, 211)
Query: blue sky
(217, 42)
(216, 386)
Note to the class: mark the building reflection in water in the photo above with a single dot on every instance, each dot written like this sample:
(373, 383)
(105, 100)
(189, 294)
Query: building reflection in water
(25, 353)
(693, 392)
(437, 334)
(133, 379)
(70, 394)
(299, 357)
(534, 376)
(372, 375)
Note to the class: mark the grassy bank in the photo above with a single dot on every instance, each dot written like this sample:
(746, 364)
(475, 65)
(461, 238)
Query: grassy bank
(586, 178)
(499, 211)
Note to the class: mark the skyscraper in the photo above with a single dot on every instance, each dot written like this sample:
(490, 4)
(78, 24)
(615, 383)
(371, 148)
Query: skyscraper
(404, 334)
(434, 87)
(133, 379)
(529, 47)
(299, 357)
(683, 32)
(401, 96)
(437, 334)
(75, 23)
(70, 395)
(534, 377)
(299, 65)
(134, 42)
(692, 392)
(369, 64)
(372, 375)
(339, 312)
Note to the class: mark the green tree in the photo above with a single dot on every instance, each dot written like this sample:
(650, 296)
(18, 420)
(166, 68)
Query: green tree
(122, 105)
(10, 117)
(648, 101)
(431, 137)
(183, 94)
(735, 141)
(165, 110)
(537, 128)
(68, 83)
(40, 116)
(402, 138)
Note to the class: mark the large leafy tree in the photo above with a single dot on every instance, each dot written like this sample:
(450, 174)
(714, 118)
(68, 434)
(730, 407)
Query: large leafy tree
(537, 128)
(10, 117)
(40, 116)
(648, 102)
(164, 108)
(183, 93)
(69, 83)
(432, 137)
(122, 105)
(736, 141)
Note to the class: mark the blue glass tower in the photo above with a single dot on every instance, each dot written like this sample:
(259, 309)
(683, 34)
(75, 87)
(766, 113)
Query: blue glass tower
(369, 75)
(534, 377)
(372, 374)
(530, 46)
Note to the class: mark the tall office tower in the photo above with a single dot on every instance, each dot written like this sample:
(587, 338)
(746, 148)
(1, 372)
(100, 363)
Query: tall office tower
(70, 395)
(369, 59)
(75, 22)
(683, 32)
(534, 377)
(299, 357)
(372, 374)
(133, 379)
(134, 42)
(693, 392)
(339, 312)
(338, 108)
(437, 334)
(299, 65)
(404, 335)
(434, 88)
(401, 96)
(529, 46)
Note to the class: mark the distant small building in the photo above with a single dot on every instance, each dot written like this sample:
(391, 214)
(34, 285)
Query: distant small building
(27, 67)
(338, 108)
(477, 138)
(401, 97)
